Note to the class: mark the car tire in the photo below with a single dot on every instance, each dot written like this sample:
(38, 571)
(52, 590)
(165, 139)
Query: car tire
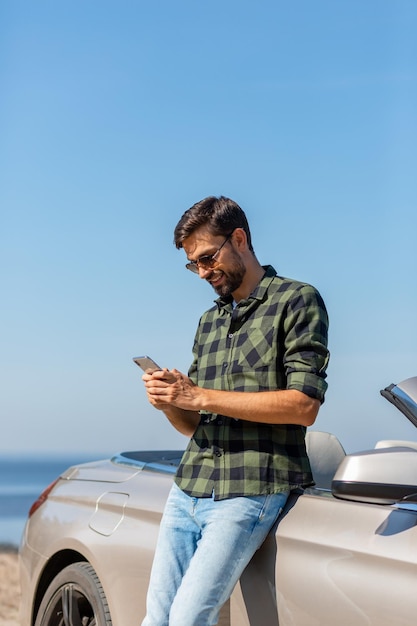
(75, 596)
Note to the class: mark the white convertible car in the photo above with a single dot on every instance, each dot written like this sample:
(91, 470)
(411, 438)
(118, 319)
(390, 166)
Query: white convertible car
(343, 554)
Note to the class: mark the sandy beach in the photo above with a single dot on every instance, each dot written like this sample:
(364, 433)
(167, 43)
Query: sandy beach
(9, 587)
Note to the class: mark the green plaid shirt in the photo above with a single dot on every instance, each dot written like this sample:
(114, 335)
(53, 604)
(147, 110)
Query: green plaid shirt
(275, 339)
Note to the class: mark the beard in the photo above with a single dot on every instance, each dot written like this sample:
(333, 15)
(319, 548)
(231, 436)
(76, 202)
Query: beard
(233, 278)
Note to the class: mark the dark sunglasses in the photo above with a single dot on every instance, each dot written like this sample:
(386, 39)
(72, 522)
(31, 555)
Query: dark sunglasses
(207, 261)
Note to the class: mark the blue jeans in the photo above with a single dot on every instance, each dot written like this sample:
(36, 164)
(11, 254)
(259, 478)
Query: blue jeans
(203, 547)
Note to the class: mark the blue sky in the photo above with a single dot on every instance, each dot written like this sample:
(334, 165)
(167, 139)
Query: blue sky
(115, 117)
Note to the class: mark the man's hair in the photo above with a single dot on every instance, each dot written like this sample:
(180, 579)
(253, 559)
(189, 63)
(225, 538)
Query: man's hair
(222, 215)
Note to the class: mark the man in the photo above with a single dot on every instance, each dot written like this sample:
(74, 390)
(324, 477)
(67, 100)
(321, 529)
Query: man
(256, 383)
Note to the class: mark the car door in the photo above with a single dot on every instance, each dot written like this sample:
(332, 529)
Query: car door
(346, 563)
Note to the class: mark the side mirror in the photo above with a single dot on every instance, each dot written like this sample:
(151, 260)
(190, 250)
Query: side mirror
(381, 476)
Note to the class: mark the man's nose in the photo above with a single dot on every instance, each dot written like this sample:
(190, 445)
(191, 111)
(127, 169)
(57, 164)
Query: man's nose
(204, 272)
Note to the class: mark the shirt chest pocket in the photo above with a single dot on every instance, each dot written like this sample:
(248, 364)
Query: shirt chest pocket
(255, 350)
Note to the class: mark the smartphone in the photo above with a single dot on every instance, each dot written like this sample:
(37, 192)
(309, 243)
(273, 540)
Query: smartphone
(146, 363)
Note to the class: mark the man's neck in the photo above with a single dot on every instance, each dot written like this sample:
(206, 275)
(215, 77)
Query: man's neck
(254, 273)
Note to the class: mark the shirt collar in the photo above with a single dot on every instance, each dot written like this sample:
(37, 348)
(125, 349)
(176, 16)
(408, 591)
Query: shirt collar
(258, 293)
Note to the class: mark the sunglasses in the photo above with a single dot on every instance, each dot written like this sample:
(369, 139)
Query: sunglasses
(207, 261)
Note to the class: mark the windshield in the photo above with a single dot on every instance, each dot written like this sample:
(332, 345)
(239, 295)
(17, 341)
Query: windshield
(404, 397)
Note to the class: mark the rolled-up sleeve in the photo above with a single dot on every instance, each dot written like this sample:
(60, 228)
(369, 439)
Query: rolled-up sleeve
(306, 354)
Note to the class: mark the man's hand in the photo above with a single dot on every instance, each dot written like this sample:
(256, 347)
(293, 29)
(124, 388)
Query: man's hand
(172, 392)
(170, 388)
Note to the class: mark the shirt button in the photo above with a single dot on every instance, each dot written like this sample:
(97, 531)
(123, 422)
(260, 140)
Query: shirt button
(230, 335)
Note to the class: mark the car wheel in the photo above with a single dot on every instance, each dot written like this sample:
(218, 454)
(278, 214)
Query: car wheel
(74, 598)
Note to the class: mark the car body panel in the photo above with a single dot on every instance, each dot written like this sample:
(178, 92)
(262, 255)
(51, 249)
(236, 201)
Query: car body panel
(122, 558)
(346, 565)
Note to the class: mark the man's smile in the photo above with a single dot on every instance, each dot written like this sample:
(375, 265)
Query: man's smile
(215, 278)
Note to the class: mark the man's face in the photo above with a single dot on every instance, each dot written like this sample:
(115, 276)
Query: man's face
(226, 271)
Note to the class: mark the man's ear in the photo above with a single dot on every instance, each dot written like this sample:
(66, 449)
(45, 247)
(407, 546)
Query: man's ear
(240, 239)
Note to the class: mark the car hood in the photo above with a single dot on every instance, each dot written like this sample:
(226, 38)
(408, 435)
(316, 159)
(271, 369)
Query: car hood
(404, 397)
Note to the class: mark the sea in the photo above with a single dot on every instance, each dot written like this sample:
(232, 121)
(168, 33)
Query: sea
(22, 480)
